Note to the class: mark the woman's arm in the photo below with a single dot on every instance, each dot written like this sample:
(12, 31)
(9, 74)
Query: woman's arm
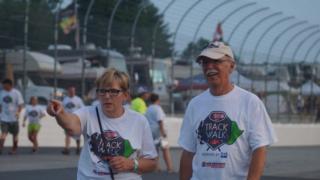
(122, 164)
(68, 121)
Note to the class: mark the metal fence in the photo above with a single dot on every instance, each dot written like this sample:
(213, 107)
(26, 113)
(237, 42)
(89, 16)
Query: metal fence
(277, 55)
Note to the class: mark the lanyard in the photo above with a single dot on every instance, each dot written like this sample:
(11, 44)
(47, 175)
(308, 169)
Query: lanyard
(104, 141)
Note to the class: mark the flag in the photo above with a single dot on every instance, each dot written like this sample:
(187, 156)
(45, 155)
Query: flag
(218, 34)
(68, 19)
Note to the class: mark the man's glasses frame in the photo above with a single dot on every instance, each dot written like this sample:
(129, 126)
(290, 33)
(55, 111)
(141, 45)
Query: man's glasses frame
(204, 62)
(112, 91)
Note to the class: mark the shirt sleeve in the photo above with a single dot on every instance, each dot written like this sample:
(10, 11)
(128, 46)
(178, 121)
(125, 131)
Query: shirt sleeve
(81, 104)
(147, 149)
(261, 132)
(187, 138)
(160, 114)
(20, 98)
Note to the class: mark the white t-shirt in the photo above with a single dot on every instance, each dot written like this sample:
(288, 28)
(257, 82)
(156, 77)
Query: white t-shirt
(129, 134)
(34, 113)
(155, 114)
(72, 104)
(223, 131)
(10, 101)
(95, 102)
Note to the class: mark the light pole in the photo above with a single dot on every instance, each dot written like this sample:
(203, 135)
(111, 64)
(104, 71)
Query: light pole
(84, 48)
(135, 22)
(172, 55)
(154, 35)
(56, 34)
(110, 22)
(25, 49)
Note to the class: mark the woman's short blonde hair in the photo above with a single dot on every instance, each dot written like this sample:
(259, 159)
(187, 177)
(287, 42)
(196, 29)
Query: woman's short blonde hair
(111, 75)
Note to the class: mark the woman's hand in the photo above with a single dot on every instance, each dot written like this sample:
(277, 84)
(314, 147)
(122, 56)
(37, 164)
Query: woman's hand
(54, 108)
(121, 164)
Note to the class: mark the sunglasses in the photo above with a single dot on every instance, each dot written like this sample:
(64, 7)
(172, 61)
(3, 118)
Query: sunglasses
(112, 92)
(205, 62)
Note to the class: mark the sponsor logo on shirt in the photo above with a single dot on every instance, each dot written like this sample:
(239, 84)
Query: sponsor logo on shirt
(213, 164)
(224, 155)
(7, 99)
(215, 154)
(216, 130)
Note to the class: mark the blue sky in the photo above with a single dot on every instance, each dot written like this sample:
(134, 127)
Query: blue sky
(300, 9)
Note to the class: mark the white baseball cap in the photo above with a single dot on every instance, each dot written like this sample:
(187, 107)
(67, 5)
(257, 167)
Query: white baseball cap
(216, 50)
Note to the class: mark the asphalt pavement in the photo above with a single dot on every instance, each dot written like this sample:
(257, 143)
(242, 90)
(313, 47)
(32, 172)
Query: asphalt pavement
(283, 163)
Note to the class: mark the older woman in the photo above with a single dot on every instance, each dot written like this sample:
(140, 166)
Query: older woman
(117, 141)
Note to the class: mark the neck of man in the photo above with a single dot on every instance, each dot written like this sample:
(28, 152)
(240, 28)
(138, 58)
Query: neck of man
(220, 90)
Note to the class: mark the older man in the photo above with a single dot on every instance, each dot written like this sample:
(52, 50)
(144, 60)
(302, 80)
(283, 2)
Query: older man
(226, 129)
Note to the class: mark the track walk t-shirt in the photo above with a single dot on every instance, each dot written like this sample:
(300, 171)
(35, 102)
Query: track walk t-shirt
(223, 131)
(129, 136)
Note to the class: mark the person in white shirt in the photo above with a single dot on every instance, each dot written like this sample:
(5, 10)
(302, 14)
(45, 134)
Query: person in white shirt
(226, 129)
(33, 113)
(117, 141)
(156, 116)
(71, 103)
(11, 104)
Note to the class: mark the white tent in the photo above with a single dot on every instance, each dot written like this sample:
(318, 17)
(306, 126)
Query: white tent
(240, 80)
(259, 85)
(309, 88)
(270, 86)
(272, 104)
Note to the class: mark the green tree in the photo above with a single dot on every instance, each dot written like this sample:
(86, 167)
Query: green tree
(122, 25)
(42, 19)
(12, 14)
(193, 49)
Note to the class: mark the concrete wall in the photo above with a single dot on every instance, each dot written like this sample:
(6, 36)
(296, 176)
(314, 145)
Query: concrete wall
(288, 134)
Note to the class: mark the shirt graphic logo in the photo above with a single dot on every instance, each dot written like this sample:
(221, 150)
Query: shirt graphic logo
(7, 99)
(114, 145)
(70, 105)
(33, 113)
(217, 129)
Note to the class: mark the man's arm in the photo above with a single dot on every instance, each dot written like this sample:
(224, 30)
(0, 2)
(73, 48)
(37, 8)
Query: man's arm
(186, 165)
(162, 131)
(257, 163)
(68, 121)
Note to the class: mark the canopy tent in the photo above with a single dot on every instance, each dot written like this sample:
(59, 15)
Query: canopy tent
(272, 104)
(259, 85)
(240, 80)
